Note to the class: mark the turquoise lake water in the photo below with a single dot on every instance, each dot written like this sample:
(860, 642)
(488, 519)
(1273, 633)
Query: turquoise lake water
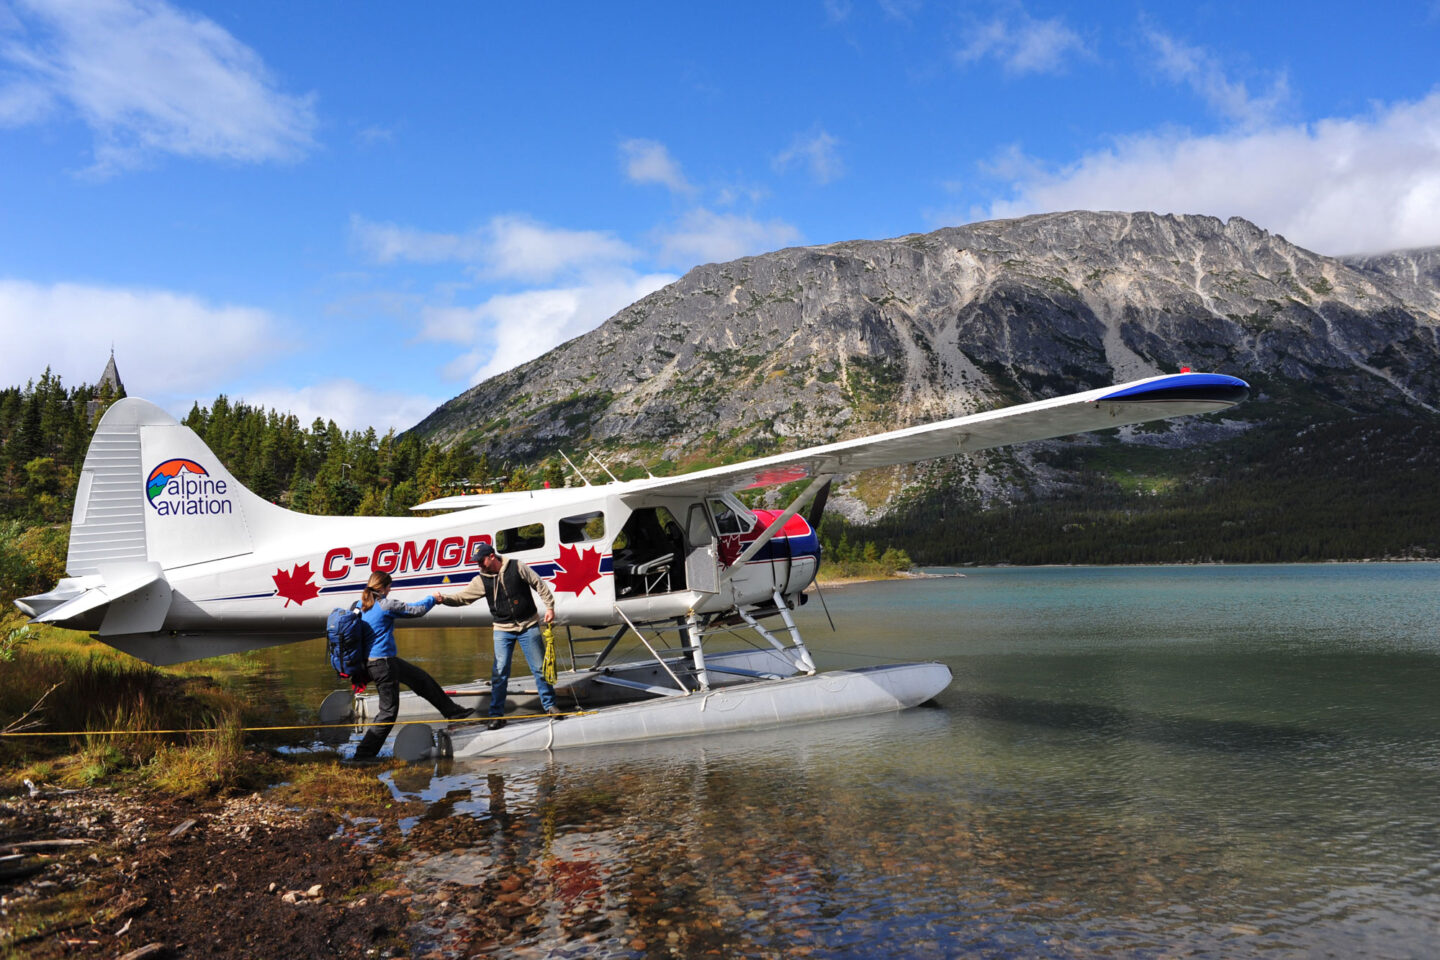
(1219, 761)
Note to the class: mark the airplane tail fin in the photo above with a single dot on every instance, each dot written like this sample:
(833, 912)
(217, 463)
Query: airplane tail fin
(151, 497)
(151, 491)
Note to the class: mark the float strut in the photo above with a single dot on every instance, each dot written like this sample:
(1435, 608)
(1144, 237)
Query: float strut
(801, 659)
(653, 652)
(784, 609)
(693, 633)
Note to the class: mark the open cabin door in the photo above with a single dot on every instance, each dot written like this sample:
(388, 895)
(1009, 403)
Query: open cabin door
(702, 563)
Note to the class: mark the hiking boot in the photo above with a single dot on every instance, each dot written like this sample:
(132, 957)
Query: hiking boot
(555, 713)
(495, 723)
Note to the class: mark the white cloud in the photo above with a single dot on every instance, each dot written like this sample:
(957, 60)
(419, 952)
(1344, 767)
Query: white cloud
(816, 151)
(525, 250)
(508, 247)
(509, 329)
(22, 103)
(166, 344)
(901, 10)
(373, 134)
(1023, 44)
(1341, 185)
(148, 78)
(1204, 74)
(353, 406)
(390, 242)
(703, 236)
(647, 161)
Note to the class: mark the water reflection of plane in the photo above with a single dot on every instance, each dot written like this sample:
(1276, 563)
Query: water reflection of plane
(642, 836)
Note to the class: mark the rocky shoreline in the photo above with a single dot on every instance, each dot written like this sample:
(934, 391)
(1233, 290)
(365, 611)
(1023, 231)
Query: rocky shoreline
(96, 872)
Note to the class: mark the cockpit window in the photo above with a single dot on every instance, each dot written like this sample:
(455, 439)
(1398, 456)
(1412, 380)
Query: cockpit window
(726, 519)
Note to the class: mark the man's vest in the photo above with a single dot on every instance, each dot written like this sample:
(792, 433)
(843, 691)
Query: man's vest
(508, 594)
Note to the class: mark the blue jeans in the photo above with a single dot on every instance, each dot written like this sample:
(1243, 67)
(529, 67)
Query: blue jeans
(534, 649)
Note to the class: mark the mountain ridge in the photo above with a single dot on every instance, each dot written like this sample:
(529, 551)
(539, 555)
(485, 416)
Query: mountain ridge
(811, 344)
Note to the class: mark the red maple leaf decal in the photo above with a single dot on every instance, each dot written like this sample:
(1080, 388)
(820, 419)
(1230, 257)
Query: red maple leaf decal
(296, 584)
(578, 569)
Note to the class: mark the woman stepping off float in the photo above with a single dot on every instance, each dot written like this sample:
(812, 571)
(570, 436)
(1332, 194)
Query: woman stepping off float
(386, 668)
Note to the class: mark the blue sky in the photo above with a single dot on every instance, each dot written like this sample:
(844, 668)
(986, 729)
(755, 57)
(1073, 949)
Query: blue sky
(357, 210)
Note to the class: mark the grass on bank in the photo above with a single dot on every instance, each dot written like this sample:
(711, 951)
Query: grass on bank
(59, 680)
(97, 688)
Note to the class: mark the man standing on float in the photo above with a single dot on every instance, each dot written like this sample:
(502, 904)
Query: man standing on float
(505, 584)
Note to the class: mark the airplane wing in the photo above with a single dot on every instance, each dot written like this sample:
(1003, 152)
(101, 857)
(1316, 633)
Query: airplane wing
(1150, 399)
(1154, 398)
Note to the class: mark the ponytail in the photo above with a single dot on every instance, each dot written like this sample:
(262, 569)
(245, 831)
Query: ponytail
(378, 581)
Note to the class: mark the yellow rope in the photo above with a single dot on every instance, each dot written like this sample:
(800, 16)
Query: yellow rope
(301, 726)
(547, 669)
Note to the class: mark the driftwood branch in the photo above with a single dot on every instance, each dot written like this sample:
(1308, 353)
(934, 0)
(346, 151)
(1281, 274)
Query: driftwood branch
(149, 950)
(56, 844)
(19, 725)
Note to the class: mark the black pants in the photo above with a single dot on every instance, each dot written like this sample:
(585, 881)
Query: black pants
(388, 674)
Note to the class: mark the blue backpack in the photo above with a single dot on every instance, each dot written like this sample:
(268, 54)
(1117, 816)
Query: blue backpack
(348, 643)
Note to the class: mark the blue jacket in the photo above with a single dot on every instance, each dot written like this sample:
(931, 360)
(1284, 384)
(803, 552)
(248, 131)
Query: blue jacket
(380, 618)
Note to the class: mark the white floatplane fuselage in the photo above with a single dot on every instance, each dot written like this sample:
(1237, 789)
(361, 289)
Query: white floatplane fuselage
(172, 559)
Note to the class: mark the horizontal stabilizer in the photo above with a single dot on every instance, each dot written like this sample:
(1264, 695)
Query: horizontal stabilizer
(133, 595)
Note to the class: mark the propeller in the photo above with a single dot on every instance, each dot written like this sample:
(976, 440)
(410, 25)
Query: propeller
(813, 517)
(817, 508)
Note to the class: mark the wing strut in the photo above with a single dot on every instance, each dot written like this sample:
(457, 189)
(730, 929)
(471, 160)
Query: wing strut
(584, 479)
(778, 524)
(603, 467)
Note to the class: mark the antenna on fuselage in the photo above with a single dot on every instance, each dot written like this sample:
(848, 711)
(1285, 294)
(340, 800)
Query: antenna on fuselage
(582, 476)
(603, 467)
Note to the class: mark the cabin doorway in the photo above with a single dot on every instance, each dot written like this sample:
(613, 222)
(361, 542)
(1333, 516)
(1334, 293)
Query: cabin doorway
(649, 554)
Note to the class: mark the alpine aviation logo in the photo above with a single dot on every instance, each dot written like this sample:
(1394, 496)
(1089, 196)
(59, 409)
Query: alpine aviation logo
(182, 487)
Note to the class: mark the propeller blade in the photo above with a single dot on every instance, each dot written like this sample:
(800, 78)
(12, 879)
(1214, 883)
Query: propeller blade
(817, 508)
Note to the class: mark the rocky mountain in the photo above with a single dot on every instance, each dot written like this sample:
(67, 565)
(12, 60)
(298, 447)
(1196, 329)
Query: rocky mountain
(811, 344)
(1415, 273)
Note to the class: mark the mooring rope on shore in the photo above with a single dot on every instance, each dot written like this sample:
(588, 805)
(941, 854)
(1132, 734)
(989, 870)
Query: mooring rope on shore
(298, 726)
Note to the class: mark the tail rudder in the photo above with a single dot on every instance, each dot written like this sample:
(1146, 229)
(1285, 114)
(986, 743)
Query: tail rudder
(151, 490)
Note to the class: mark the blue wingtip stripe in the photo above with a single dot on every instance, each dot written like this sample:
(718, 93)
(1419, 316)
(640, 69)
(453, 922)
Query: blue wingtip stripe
(1186, 386)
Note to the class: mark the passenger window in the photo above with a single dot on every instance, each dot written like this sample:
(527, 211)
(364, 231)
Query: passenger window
(726, 520)
(582, 527)
(529, 537)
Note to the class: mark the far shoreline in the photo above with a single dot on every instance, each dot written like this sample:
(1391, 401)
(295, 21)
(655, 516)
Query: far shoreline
(827, 583)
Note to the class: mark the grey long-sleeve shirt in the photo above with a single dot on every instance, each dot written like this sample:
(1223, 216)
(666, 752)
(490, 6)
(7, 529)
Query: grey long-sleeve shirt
(475, 590)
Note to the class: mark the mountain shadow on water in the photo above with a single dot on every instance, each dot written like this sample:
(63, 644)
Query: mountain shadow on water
(1227, 736)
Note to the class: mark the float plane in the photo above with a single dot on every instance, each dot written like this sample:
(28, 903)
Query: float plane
(172, 559)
